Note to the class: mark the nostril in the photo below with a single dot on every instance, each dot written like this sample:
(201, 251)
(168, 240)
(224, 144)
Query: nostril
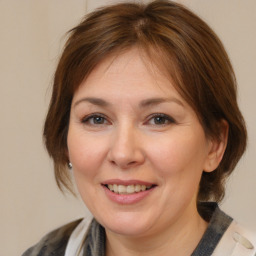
(113, 162)
(123, 165)
(125, 158)
(131, 163)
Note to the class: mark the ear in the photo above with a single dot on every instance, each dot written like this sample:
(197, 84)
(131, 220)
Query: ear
(217, 147)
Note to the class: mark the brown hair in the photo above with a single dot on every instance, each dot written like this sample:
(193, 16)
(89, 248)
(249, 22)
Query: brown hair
(188, 50)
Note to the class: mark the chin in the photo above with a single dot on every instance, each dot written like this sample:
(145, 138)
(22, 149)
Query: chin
(127, 224)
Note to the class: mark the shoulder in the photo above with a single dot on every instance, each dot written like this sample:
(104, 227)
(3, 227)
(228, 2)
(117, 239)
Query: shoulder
(224, 236)
(237, 240)
(54, 242)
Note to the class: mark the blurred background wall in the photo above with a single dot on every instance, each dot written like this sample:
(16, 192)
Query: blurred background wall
(32, 36)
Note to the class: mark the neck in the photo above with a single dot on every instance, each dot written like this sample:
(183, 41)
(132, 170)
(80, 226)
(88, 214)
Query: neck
(178, 239)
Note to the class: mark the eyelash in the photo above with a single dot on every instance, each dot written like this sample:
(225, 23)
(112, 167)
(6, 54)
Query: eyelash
(164, 116)
(86, 120)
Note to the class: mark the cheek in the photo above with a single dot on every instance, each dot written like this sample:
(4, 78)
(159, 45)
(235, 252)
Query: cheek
(86, 153)
(179, 155)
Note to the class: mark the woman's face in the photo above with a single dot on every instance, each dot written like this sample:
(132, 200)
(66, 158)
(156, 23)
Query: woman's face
(137, 148)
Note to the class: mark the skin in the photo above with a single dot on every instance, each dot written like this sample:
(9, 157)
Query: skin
(125, 138)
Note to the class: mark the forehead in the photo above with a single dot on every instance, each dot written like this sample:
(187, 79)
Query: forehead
(130, 71)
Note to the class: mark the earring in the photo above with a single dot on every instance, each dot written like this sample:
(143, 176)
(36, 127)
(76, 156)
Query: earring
(69, 165)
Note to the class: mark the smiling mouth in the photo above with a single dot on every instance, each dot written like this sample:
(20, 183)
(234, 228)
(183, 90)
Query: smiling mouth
(130, 189)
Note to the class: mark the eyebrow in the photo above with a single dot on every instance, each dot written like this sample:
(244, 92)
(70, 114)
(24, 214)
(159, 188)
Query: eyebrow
(94, 101)
(157, 101)
(144, 103)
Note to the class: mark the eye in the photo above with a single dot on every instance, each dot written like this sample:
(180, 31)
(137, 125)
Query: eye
(160, 119)
(95, 119)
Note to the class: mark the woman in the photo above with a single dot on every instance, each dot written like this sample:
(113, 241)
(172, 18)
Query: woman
(144, 112)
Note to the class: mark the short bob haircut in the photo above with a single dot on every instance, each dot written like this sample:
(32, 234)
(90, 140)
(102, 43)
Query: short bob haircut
(180, 44)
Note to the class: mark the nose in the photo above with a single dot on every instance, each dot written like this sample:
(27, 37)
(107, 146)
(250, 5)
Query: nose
(126, 149)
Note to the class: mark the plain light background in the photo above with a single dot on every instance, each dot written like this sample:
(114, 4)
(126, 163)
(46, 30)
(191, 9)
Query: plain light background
(32, 36)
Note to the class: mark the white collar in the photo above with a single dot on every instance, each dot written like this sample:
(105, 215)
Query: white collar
(76, 240)
(236, 241)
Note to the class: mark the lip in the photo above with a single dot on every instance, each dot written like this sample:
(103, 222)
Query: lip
(126, 182)
(127, 199)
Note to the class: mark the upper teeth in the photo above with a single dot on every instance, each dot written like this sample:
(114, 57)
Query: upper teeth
(121, 189)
